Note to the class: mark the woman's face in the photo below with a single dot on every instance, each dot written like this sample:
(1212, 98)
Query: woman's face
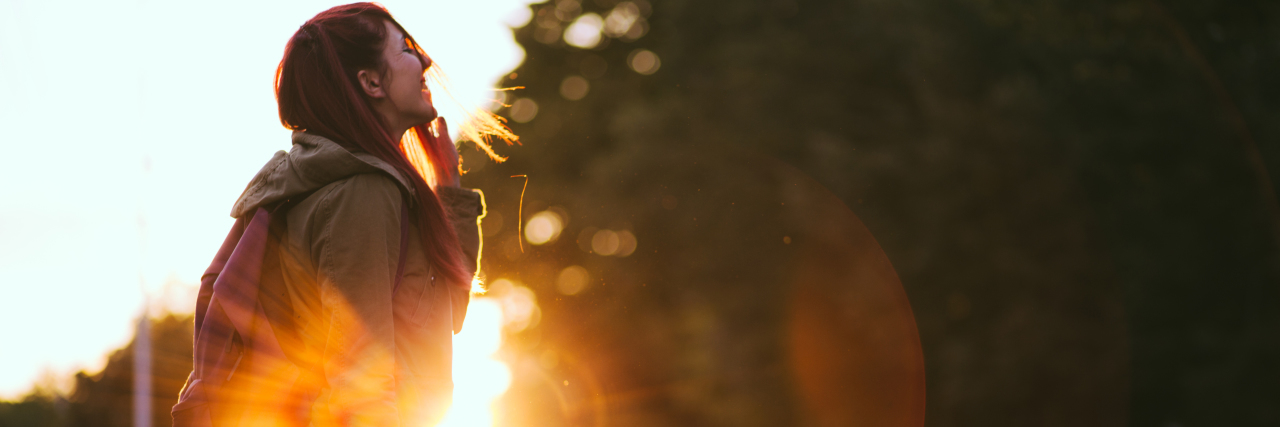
(405, 83)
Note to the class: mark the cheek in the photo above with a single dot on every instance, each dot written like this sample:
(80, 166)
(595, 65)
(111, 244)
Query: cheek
(407, 90)
(412, 83)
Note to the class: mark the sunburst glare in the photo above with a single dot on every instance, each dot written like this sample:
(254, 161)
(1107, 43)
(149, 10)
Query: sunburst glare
(478, 377)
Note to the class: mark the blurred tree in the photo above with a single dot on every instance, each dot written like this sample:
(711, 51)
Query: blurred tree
(105, 399)
(37, 409)
(1074, 193)
(1074, 196)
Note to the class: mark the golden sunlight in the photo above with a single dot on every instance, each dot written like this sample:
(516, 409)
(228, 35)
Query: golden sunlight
(478, 377)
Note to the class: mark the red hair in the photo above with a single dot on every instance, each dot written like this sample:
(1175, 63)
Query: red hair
(316, 89)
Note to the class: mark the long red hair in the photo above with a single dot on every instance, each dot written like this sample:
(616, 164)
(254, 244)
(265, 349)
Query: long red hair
(316, 89)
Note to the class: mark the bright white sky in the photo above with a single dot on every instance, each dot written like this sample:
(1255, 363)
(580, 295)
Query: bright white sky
(92, 91)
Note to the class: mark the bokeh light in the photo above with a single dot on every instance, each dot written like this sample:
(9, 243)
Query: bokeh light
(619, 243)
(520, 309)
(572, 280)
(584, 32)
(574, 88)
(621, 18)
(524, 110)
(605, 242)
(544, 227)
(626, 243)
(644, 61)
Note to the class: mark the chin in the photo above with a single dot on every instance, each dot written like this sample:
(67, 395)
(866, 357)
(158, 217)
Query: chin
(425, 117)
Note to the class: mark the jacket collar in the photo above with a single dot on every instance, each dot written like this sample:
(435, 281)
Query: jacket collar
(313, 162)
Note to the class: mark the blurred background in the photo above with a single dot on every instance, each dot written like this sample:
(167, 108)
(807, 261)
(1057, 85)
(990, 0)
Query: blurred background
(737, 213)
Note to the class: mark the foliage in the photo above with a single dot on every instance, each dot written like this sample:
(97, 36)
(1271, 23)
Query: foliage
(105, 398)
(1074, 193)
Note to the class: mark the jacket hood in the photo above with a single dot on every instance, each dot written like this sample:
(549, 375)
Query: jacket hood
(312, 163)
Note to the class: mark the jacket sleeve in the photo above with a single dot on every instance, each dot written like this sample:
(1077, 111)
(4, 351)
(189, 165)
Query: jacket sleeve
(465, 208)
(355, 250)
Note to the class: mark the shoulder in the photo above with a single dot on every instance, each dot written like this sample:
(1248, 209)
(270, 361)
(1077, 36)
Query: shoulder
(370, 199)
(355, 217)
(366, 188)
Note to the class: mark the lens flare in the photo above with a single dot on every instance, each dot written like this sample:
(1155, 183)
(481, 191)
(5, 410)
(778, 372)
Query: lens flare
(479, 377)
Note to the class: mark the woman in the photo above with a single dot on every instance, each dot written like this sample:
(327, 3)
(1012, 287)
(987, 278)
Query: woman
(369, 330)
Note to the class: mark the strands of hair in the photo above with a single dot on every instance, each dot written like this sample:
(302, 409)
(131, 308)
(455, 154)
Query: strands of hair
(480, 126)
(520, 212)
(413, 149)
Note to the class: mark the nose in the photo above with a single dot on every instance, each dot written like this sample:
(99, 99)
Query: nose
(426, 61)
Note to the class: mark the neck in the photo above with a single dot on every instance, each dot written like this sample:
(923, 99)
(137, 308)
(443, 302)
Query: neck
(395, 127)
(397, 133)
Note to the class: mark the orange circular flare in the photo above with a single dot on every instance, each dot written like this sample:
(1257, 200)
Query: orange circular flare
(854, 347)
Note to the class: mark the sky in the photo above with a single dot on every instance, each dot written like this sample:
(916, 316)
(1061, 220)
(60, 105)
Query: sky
(127, 131)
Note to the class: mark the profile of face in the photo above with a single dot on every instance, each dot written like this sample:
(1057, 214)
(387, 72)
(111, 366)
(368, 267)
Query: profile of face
(400, 93)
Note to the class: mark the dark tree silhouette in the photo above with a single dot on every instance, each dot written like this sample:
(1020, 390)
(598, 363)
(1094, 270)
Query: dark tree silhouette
(1069, 204)
(1074, 193)
(105, 398)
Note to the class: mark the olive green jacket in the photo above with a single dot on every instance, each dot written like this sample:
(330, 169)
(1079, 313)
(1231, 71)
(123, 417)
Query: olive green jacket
(377, 357)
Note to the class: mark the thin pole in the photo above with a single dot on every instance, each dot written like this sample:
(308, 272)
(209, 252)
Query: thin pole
(142, 335)
(142, 372)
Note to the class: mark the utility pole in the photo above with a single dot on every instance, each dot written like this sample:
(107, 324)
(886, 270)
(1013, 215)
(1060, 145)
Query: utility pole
(142, 371)
(142, 396)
